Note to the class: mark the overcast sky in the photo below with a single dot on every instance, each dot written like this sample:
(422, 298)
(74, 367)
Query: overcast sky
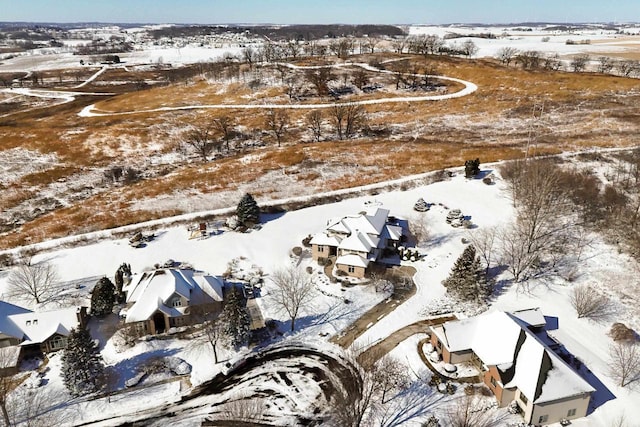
(318, 11)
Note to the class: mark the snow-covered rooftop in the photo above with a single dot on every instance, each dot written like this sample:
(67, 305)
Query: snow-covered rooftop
(152, 290)
(504, 340)
(37, 327)
(353, 260)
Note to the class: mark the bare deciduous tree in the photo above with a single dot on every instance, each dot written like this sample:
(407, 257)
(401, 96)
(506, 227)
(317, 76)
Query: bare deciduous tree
(625, 362)
(419, 227)
(320, 78)
(382, 395)
(484, 241)
(465, 412)
(199, 139)
(507, 54)
(293, 291)
(34, 281)
(214, 332)
(314, 120)
(360, 78)
(605, 64)
(579, 62)
(224, 125)
(347, 119)
(469, 48)
(277, 120)
(540, 228)
(589, 303)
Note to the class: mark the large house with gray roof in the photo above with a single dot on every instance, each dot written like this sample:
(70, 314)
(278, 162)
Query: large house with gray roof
(514, 353)
(357, 241)
(158, 300)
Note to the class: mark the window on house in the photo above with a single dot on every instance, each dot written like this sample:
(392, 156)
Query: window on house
(177, 302)
(320, 248)
(352, 269)
(543, 418)
(571, 413)
(28, 322)
(493, 382)
(35, 322)
(523, 398)
(439, 345)
(57, 343)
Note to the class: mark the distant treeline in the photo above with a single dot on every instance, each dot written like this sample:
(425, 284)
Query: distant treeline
(289, 32)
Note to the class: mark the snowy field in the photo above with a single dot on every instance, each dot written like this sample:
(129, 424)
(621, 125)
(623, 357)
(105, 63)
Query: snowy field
(554, 41)
(269, 248)
(540, 39)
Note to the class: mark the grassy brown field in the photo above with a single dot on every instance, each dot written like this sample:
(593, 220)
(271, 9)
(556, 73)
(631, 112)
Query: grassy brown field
(579, 111)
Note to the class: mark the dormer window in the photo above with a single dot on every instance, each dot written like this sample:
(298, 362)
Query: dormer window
(177, 302)
(28, 322)
(35, 322)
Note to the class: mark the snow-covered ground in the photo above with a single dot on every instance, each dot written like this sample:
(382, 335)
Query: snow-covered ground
(602, 40)
(270, 248)
(539, 38)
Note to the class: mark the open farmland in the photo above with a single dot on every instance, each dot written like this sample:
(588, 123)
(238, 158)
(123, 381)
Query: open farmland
(63, 181)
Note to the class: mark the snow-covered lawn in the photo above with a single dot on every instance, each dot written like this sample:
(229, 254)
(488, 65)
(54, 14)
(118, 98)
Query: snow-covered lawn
(270, 248)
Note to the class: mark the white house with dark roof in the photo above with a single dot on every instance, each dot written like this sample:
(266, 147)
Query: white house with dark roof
(357, 241)
(164, 298)
(516, 363)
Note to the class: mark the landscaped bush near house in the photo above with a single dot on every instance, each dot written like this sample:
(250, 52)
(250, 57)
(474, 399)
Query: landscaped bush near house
(297, 251)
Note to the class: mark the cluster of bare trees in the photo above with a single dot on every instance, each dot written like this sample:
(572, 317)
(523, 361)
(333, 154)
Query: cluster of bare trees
(539, 238)
(536, 60)
(384, 395)
(211, 136)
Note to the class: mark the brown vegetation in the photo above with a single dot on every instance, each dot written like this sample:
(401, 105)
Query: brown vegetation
(580, 110)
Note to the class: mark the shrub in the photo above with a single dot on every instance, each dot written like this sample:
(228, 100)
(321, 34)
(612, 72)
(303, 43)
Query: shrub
(309, 269)
(589, 303)
(620, 332)
(306, 242)
(297, 251)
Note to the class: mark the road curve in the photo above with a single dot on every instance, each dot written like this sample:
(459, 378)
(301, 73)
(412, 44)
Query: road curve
(469, 88)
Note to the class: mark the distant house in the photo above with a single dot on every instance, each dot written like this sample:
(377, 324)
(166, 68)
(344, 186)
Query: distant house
(514, 354)
(35, 332)
(164, 298)
(357, 241)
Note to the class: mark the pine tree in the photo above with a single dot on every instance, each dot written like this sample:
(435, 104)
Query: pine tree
(102, 297)
(467, 280)
(82, 365)
(235, 318)
(248, 211)
(471, 168)
(123, 273)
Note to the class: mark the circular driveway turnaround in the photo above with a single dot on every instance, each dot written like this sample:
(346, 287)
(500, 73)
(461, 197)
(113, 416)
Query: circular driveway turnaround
(469, 88)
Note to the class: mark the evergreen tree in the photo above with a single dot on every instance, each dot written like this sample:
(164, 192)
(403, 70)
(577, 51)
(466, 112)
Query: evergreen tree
(471, 168)
(123, 273)
(248, 211)
(235, 318)
(467, 280)
(82, 365)
(102, 297)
